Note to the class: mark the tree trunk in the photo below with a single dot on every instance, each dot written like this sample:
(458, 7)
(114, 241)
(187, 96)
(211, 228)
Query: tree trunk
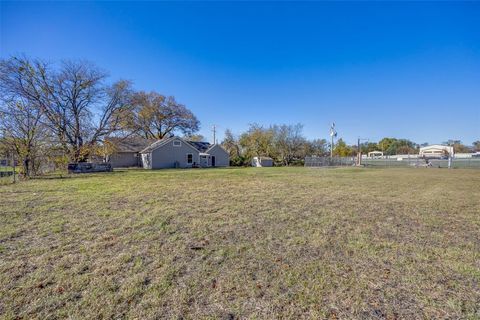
(26, 167)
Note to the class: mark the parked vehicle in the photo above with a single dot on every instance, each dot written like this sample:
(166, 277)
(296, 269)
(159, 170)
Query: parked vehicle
(88, 167)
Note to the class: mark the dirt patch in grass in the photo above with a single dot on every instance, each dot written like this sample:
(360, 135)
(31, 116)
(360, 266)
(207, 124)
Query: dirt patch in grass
(243, 243)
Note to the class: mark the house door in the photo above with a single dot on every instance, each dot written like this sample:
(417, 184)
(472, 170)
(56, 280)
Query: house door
(213, 161)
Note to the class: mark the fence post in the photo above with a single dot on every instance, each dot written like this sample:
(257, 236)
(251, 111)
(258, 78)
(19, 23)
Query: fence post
(13, 166)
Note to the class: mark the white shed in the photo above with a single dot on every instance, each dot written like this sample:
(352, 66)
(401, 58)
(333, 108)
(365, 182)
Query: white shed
(262, 162)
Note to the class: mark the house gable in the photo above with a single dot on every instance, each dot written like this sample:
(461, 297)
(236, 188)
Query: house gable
(216, 147)
(167, 142)
(172, 153)
(222, 158)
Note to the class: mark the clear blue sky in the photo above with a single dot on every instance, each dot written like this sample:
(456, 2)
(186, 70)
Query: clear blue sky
(408, 70)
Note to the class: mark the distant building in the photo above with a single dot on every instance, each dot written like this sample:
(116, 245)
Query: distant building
(436, 151)
(262, 162)
(375, 154)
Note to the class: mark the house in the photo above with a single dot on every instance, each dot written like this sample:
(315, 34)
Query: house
(127, 151)
(436, 151)
(262, 162)
(175, 152)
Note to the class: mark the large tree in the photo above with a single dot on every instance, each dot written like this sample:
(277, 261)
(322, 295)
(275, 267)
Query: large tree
(79, 107)
(288, 142)
(391, 146)
(367, 147)
(315, 147)
(458, 146)
(343, 150)
(20, 120)
(155, 116)
(231, 144)
(258, 141)
(23, 133)
(476, 145)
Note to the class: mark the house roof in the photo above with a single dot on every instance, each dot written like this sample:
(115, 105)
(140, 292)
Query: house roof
(130, 144)
(199, 146)
(437, 147)
(211, 146)
(156, 144)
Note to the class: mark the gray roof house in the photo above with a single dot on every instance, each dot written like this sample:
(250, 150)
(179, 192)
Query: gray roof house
(175, 152)
(127, 151)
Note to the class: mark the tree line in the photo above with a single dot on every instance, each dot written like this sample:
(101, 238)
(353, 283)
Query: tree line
(64, 112)
(287, 145)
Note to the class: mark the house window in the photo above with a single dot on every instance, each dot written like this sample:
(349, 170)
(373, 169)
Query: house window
(177, 143)
(189, 158)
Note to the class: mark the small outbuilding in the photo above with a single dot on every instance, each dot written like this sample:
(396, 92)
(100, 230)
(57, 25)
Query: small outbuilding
(262, 162)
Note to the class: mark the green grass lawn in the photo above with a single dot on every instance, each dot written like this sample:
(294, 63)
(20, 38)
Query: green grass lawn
(265, 243)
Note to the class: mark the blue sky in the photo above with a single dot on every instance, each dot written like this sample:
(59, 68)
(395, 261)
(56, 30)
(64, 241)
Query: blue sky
(407, 70)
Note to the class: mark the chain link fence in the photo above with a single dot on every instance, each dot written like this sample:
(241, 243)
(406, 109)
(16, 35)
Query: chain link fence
(7, 173)
(419, 162)
(392, 162)
(329, 161)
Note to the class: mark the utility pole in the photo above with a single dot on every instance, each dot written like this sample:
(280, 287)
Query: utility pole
(359, 153)
(333, 134)
(331, 147)
(214, 134)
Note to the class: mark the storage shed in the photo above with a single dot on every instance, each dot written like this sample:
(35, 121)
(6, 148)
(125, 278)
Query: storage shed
(262, 162)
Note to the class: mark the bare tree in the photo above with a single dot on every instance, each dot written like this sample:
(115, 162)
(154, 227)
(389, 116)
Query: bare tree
(22, 133)
(79, 108)
(20, 117)
(155, 116)
(231, 144)
(315, 147)
(82, 110)
(288, 141)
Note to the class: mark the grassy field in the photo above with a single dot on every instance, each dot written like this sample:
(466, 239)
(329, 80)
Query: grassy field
(259, 243)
